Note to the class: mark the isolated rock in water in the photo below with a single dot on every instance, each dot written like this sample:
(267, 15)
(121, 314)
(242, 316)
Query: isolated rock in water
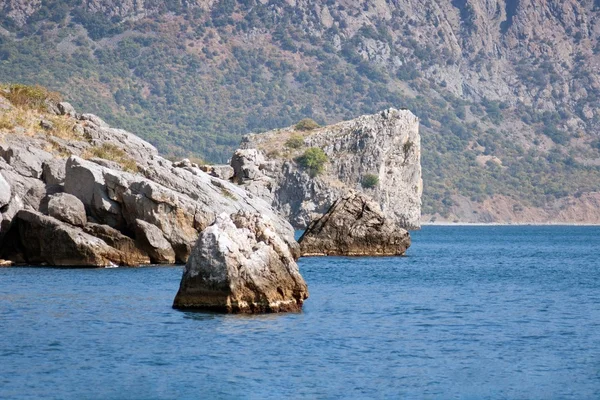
(151, 239)
(5, 192)
(67, 208)
(241, 265)
(48, 240)
(354, 226)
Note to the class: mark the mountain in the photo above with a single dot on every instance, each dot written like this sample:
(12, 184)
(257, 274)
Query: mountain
(506, 91)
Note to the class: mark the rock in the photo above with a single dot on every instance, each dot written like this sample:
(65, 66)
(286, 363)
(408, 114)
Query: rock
(94, 119)
(51, 107)
(240, 265)
(5, 263)
(66, 109)
(132, 254)
(185, 163)
(85, 180)
(26, 161)
(386, 144)
(67, 208)
(139, 150)
(354, 226)
(179, 202)
(106, 163)
(5, 191)
(224, 172)
(152, 241)
(26, 191)
(173, 204)
(246, 164)
(46, 125)
(48, 240)
(53, 171)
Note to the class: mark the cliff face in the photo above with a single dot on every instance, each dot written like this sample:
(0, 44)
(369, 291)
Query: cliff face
(379, 154)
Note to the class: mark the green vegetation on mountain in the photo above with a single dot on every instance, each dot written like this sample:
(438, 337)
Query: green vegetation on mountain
(313, 160)
(194, 79)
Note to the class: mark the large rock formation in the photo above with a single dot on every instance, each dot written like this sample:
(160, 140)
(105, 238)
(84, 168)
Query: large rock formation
(46, 240)
(385, 148)
(107, 194)
(240, 265)
(354, 226)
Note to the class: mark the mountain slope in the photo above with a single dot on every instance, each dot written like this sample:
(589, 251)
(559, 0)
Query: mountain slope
(507, 91)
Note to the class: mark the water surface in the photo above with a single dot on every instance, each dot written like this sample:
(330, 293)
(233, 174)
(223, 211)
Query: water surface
(470, 313)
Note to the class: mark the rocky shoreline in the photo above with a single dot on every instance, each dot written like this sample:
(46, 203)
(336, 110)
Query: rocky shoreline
(75, 192)
(103, 196)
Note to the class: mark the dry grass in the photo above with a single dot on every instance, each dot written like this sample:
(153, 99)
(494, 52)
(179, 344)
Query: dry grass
(197, 160)
(63, 127)
(29, 97)
(28, 120)
(6, 122)
(112, 153)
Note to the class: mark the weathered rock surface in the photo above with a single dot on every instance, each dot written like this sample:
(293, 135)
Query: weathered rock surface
(132, 254)
(153, 242)
(26, 161)
(53, 171)
(5, 192)
(153, 212)
(240, 265)
(67, 208)
(354, 226)
(45, 240)
(386, 145)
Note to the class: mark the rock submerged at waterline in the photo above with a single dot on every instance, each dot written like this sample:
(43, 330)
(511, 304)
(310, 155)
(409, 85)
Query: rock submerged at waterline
(241, 265)
(354, 226)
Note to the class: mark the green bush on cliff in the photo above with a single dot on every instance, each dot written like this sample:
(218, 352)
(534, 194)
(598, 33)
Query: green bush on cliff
(306, 124)
(295, 142)
(313, 160)
(25, 96)
(369, 181)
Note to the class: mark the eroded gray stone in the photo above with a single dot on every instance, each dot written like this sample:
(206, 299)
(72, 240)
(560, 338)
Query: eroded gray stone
(67, 208)
(241, 265)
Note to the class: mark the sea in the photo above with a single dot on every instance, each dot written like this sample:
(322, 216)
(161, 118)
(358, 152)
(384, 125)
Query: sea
(471, 312)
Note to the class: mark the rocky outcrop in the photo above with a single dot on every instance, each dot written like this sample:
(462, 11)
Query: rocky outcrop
(240, 265)
(354, 226)
(131, 207)
(45, 240)
(132, 254)
(152, 240)
(67, 208)
(385, 146)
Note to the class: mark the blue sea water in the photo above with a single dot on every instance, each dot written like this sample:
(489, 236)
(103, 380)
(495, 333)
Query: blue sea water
(470, 313)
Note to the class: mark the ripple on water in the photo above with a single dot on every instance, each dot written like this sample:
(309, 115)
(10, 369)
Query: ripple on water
(470, 313)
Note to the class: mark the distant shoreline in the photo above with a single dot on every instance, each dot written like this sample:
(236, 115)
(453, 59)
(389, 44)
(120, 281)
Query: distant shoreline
(507, 224)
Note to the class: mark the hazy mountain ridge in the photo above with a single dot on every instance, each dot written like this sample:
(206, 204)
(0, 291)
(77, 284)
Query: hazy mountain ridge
(507, 91)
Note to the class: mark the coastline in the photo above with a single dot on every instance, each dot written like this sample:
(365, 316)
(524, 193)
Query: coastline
(445, 223)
